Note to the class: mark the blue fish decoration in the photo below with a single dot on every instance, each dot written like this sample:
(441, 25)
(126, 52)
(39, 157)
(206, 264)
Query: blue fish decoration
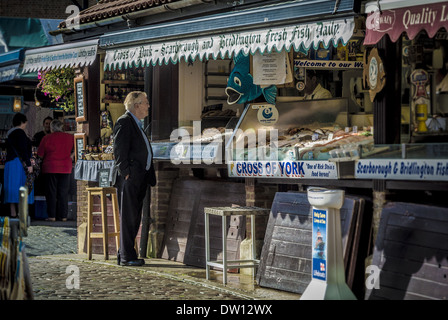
(241, 87)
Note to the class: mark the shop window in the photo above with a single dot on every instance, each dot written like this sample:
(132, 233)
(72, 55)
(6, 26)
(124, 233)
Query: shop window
(424, 90)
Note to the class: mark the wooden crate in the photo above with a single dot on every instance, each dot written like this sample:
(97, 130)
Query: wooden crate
(184, 238)
(411, 251)
(285, 262)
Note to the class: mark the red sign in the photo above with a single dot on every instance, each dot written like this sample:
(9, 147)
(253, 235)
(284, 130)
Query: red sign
(429, 17)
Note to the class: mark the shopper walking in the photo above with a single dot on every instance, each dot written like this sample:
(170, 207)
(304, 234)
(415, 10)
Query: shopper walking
(133, 159)
(56, 150)
(18, 159)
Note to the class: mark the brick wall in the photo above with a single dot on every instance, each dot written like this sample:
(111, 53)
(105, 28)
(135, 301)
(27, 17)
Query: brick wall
(48, 9)
(160, 203)
(259, 195)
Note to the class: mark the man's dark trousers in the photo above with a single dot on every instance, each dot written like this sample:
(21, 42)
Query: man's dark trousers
(56, 194)
(131, 194)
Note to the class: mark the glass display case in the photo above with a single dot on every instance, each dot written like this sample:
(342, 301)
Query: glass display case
(299, 130)
(201, 143)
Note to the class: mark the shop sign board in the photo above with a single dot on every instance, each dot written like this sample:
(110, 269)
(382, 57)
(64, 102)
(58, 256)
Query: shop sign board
(9, 72)
(283, 169)
(402, 169)
(264, 40)
(80, 99)
(328, 64)
(103, 178)
(71, 55)
(410, 19)
(80, 145)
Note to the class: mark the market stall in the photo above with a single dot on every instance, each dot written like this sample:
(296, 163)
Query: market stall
(190, 68)
(409, 166)
(59, 68)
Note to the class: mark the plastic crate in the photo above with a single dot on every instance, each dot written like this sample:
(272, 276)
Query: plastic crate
(40, 208)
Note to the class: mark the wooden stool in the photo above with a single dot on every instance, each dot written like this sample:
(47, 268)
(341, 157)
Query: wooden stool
(102, 192)
(225, 212)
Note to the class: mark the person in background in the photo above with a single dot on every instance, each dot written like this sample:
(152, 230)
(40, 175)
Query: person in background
(56, 151)
(313, 89)
(37, 138)
(39, 185)
(18, 151)
(135, 169)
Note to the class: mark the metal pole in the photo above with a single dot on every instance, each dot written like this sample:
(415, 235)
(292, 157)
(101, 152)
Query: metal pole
(23, 211)
(207, 246)
(224, 249)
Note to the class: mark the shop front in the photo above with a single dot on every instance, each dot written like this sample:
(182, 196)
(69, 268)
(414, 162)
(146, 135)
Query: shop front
(409, 160)
(59, 67)
(232, 125)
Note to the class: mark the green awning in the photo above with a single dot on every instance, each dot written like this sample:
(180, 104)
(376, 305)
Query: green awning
(16, 33)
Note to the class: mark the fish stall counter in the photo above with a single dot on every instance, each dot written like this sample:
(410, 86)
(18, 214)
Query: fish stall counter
(297, 139)
(200, 144)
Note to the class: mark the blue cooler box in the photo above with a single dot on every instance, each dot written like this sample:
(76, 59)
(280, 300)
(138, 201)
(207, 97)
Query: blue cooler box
(40, 208)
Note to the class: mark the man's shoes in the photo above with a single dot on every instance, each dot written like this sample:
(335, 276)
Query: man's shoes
(133, 263)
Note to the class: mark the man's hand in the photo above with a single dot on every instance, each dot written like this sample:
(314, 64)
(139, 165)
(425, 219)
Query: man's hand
(126, 178)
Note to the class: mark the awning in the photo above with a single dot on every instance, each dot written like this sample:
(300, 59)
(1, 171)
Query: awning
(410, 19)
(265, 40)
(10, 63)
(17, 33)
(75, 54)
(274, 27)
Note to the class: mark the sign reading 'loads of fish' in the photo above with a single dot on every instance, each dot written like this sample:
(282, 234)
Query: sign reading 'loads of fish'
(265, 40)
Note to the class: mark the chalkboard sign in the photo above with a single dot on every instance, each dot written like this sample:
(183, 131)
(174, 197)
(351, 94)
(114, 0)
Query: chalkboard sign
(80, 98)
(103, 178)
(80, 145)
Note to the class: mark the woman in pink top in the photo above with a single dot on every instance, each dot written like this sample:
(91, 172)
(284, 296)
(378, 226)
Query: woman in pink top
(56, 150)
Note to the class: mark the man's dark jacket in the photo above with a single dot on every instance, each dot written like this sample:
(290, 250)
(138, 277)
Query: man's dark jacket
(130, 149)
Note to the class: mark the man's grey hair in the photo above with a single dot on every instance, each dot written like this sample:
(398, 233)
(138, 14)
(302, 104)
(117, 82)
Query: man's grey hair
(132, 98)
(56, 125)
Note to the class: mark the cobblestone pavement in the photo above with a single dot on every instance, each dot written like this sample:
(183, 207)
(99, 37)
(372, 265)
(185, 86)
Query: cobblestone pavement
(59, 273)
(55, 279)
(49, 238)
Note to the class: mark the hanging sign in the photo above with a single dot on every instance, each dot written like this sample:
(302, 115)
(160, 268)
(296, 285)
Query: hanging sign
(270, 40)
(374, 73)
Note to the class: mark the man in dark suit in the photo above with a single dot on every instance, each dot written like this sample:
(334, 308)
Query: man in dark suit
(133, 161)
